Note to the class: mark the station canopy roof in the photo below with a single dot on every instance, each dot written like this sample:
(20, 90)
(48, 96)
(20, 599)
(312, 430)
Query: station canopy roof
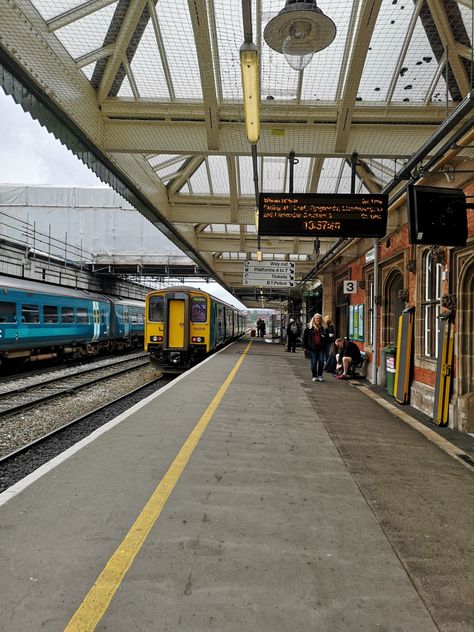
(152, 90)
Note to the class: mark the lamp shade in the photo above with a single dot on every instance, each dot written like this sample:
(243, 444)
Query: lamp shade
(298, 31)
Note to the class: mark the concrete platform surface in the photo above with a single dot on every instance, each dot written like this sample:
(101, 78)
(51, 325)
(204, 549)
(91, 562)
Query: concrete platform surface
(287, 515)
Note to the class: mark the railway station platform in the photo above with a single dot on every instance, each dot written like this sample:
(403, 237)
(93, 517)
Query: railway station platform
(243, 496)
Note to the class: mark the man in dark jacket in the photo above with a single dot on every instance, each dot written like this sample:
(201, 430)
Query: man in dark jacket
(348, 354)
(292, 333)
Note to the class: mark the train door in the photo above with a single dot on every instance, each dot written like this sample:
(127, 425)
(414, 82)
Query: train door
(95, 321)
(176, 323)
(126, 321)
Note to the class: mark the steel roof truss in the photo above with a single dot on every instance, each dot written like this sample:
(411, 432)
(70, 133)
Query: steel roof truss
(161, 48)
(68, 17)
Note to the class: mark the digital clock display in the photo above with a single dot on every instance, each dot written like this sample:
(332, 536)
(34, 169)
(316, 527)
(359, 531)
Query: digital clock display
(322, 215)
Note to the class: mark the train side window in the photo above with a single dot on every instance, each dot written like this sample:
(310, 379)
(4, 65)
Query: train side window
(102, 316)
(199, 309)
(140, 318)
(67, 315)
(156, 309)
(50, 314)
(7, 312)
(82, 316)
(134, 318)
(30, 314)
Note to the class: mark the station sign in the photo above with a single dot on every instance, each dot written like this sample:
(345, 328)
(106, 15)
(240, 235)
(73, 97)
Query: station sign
(349, 287)
(269, 273)
(266, 282)
(322, 215)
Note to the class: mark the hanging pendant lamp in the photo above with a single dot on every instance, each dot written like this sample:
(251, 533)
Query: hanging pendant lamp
(298, 31)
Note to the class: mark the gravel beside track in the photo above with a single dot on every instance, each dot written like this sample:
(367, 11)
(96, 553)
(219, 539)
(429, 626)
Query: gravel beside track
(19, 430)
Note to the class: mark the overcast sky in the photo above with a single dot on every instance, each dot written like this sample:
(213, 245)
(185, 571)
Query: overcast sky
(31, 155)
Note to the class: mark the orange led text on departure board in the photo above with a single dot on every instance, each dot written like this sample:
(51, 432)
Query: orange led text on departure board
(310, 214)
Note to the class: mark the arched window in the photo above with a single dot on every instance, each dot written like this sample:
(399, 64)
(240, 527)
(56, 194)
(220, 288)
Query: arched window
(394, 306)
(431, 304)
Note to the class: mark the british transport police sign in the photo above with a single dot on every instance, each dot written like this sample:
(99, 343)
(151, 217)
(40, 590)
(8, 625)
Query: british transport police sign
(322, 215)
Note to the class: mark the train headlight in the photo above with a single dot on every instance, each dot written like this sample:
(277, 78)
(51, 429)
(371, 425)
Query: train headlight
(156, 338)
(197, 339)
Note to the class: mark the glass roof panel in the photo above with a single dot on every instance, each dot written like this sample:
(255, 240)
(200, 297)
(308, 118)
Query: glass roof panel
(245, 169)
(219, 175)
(199, 181)
(250, 228)
(125, 89)
(384, 51)
(233, 228)
(170, 169)
(418, 69)
(147, 67)
(439, 93)
(329, 175)
(185, 189)
(217, 228)
(230, 36)
(88, 33)
(178, 39)
(301, 175)
(345, 179)
(467, 15)
(159, 159)
(51, 8)
(321, 76)
(89, 70)
(274, 171)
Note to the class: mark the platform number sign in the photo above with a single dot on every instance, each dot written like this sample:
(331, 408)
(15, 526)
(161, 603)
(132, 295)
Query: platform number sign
(349, 287)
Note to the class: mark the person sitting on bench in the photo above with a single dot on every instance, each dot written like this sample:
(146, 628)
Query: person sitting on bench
(348, 356)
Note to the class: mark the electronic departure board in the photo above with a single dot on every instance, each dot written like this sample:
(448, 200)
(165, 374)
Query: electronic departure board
(322, 215)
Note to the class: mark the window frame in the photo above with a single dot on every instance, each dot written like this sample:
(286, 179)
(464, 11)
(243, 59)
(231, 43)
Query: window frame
(431, 305)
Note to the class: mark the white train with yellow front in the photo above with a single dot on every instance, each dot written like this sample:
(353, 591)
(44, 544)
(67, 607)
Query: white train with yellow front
(184, 324)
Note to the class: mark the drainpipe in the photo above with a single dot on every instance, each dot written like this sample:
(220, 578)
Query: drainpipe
(375, 320)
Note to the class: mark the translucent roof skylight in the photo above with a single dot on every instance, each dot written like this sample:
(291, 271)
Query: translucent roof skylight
(88, 33)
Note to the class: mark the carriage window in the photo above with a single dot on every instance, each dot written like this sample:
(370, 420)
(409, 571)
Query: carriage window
(50, 314)
(140, 318)
(30, 314)
(82, 316)
(155, 309)
(7, 312)
(133, 318)
(67, 314)
(198, 309)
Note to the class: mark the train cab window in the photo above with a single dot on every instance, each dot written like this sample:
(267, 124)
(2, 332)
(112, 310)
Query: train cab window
(30, 314)
(82, 316)
(50, 314)
(199, 309)
(67, 315)
(156, 309)
(7, 312)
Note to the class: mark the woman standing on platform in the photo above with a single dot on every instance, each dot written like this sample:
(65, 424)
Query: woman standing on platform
(315, 341)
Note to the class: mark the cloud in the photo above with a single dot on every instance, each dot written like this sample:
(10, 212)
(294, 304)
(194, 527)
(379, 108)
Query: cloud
(31, 155)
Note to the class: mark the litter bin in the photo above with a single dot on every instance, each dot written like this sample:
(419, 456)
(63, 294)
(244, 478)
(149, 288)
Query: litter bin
(252, 333)
(390, 356)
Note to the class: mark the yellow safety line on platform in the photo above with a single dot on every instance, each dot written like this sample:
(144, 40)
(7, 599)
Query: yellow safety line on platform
(97, 600)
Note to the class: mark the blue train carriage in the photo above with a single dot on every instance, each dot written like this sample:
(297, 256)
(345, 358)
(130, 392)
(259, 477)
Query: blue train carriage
(40, 321)
(128, 323)
(183, 325)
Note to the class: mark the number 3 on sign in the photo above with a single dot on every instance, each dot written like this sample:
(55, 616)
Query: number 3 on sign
(350, 287)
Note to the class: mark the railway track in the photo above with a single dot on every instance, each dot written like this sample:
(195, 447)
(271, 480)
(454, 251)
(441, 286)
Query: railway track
(38, 442)
(45, 390)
